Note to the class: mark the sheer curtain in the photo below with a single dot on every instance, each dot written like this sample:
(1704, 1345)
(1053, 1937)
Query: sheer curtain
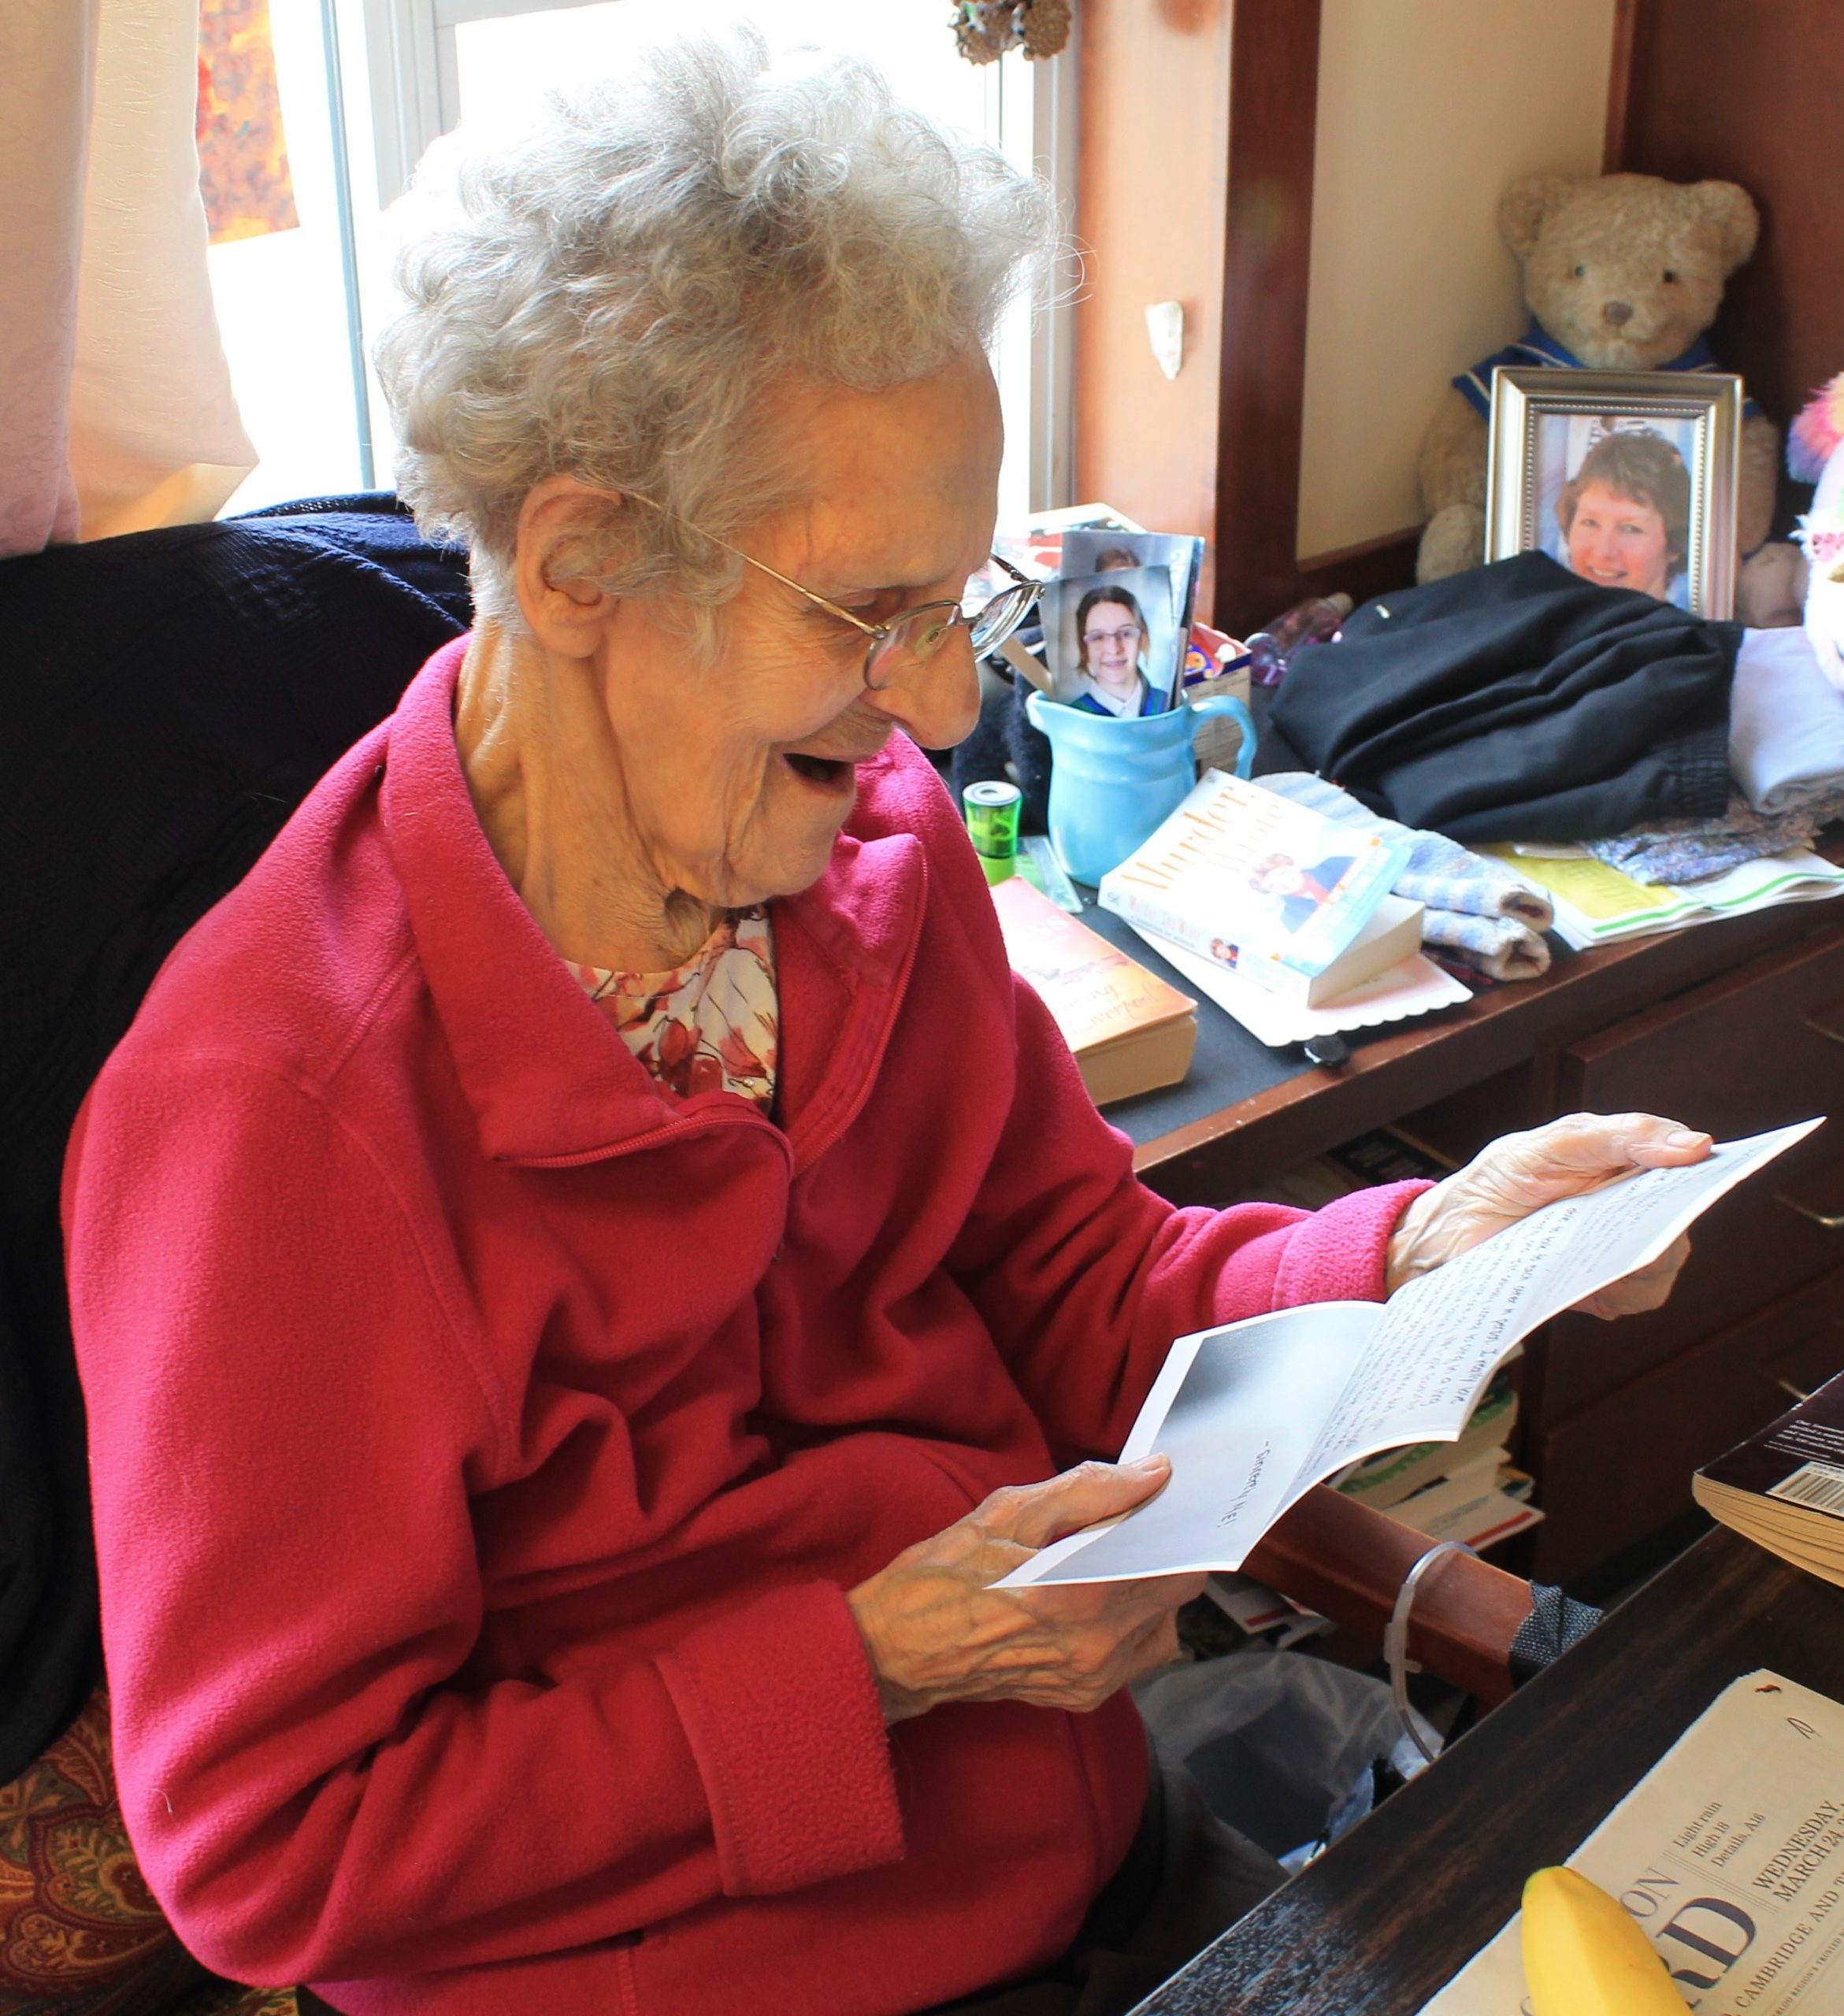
(116, 410)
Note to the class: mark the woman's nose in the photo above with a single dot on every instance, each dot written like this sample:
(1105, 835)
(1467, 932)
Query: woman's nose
(935, 700)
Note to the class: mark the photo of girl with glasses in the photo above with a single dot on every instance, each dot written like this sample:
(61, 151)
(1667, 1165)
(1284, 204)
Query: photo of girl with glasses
(1111, 642)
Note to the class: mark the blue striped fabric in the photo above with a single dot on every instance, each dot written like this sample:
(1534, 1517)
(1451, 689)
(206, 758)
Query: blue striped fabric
(1537, 348)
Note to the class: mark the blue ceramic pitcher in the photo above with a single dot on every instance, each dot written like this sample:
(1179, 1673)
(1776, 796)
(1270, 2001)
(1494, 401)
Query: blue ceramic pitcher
(1114, 781)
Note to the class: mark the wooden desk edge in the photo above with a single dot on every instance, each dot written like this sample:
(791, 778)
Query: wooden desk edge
(1499, 1027)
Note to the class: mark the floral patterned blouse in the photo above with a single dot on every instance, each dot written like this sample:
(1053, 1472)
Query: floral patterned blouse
(710, 1025)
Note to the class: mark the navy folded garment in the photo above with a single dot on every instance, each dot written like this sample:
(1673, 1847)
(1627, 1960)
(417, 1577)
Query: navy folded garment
(1518, 702)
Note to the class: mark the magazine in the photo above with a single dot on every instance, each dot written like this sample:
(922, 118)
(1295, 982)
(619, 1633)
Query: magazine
(1254, 1414)
(1597, 905)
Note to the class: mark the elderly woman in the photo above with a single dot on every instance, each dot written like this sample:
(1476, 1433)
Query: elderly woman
(587, 1267)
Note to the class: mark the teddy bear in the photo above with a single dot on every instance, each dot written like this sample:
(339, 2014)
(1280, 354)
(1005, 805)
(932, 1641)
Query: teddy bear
(1622, 272)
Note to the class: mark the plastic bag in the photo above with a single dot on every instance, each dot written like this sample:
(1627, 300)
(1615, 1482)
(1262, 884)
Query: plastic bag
(1281, 1745)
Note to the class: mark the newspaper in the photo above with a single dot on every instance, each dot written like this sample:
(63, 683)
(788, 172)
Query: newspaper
(1729, 1853)
(1254, 1414)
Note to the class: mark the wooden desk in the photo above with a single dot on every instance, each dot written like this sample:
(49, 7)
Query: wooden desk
(1734, 1026)
(1244, 1111)
(1390, 1913)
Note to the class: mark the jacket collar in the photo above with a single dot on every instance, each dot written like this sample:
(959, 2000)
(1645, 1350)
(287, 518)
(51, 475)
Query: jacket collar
(547, 1078)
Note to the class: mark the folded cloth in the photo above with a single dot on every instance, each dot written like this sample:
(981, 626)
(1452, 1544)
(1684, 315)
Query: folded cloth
(1515, 701)
(1786, 722)
(1677, 851)
(1475, 909)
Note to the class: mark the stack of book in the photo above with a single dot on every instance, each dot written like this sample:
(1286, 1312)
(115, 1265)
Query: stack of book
(1468, 1490)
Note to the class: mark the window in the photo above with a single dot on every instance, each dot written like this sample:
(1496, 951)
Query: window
(365, 86)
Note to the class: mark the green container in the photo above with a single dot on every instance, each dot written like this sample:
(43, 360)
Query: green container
(991, 825)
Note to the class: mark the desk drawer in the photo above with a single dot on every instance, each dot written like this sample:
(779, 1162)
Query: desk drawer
(1621, 1469)
(1758, 1048)
(1761, 1242)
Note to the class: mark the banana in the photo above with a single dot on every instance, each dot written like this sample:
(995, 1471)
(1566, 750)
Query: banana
(1584, 1956)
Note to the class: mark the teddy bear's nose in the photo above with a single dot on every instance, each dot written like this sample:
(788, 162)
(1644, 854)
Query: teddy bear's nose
(1618, 311)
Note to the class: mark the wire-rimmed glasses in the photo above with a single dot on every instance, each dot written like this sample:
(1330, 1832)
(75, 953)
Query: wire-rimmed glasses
(917, 634)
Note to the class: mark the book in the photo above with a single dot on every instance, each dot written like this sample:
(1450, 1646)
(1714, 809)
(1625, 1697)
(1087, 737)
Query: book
(1253, 1414)
(1129, 1032)
(1784, 1488)
(1259, 1612)
(1385, 1155)
(1729, 1855)
(1387, 1479)
(1597, 905)
(1486, 1503)
(1270, 891)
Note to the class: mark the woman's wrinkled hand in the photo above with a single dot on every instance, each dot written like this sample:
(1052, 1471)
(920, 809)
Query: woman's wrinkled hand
(936, 1631)
(1518, 1174)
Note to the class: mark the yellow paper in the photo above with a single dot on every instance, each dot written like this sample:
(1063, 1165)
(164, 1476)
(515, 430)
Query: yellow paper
(1602, 894)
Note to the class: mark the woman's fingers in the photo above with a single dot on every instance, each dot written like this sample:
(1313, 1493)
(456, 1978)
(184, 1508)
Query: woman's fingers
(1579, 1153)
(1657, 1144)
(935, 1630)
(1035, 1514)
(1648, 1287)
(1519, 1173)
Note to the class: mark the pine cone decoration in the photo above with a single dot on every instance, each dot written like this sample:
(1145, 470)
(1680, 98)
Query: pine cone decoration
(1046, 26)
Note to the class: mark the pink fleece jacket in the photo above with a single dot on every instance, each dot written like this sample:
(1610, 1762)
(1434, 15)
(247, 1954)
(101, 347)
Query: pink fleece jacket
(484, 1438)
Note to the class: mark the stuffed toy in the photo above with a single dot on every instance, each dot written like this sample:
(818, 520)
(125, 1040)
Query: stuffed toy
(1622, 272)
(1814, 453)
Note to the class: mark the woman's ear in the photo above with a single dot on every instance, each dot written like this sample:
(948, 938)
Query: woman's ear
(565, 530)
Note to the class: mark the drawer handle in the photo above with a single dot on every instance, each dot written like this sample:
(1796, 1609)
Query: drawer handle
(1831, 1220)
(1827, 1021)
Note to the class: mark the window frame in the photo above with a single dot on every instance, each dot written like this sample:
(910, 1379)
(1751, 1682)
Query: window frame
(415, 88)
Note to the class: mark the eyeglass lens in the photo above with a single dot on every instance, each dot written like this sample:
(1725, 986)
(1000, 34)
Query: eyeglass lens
(992, 624)
(922, 633)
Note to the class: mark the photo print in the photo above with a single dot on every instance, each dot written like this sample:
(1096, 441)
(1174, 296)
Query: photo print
(1627, 479)
(1112, 641)
(1086, 551)
(1613, 500)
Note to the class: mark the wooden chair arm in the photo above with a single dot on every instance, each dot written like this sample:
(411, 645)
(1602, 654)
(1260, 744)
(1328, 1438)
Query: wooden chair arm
(1348, 1562)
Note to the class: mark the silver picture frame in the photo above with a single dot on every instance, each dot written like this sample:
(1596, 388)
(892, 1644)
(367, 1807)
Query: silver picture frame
(1544, 421)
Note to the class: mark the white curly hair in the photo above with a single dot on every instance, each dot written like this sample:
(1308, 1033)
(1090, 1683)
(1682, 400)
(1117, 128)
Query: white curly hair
(626, 282)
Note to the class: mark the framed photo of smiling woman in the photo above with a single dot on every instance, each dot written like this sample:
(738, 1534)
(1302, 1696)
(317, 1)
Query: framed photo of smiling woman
(1625, 478)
